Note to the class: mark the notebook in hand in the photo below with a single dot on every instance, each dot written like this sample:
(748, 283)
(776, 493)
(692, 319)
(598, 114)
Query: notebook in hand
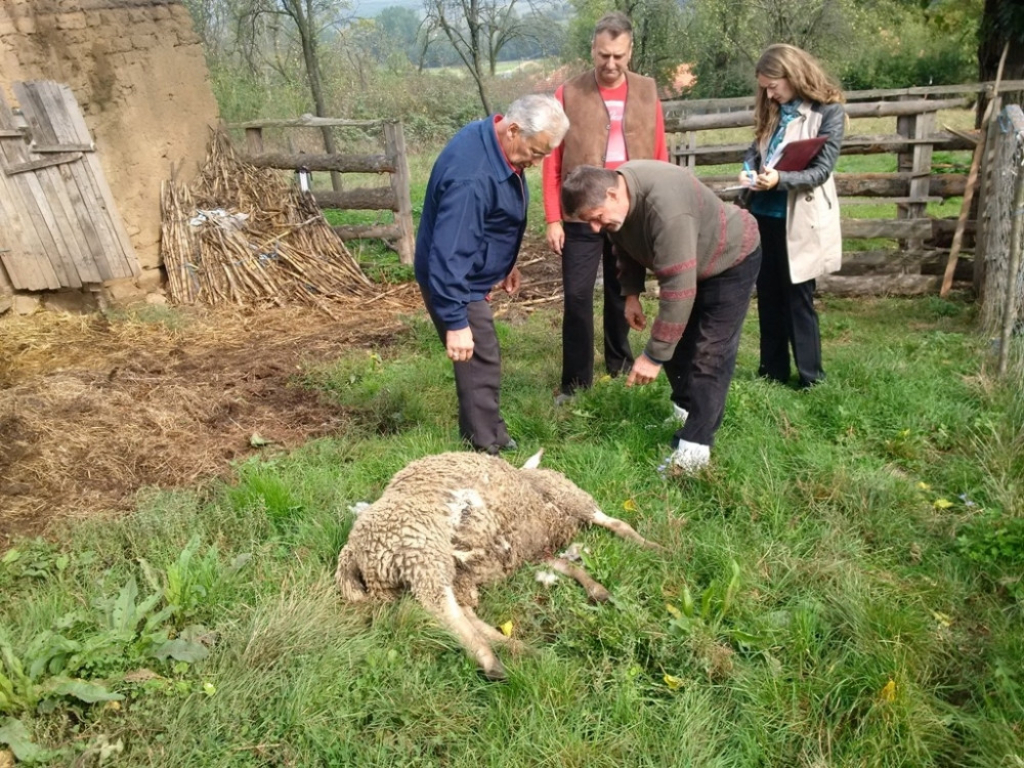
(797, 155)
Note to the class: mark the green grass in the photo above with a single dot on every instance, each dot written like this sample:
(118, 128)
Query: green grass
(854, 556)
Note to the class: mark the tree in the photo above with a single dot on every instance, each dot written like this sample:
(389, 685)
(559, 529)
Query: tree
(478, 30)
(401, 28)
(308, 20)
(1002, 26)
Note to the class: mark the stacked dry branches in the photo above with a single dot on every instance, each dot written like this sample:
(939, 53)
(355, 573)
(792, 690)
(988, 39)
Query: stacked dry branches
(241, 235)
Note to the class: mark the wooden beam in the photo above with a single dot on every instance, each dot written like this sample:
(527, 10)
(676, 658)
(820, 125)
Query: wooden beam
(342, 163)
(872, 109)
(897, 229)
(368, 231)
(308, 121)
(48, 149)
(364, 199)
(34, 165)
(942, 185)
(721, 154)
(673, 107)
(885, 262)
(878, 285)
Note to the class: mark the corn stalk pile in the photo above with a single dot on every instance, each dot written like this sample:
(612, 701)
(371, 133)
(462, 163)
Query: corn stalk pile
(239, 234)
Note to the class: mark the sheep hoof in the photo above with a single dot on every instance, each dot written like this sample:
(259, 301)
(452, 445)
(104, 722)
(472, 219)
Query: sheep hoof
(599, 594)
(495, 672)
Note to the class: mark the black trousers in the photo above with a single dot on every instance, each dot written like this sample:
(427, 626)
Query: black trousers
(477, 380)
(785, 312)
(702, 366)
(582, 251)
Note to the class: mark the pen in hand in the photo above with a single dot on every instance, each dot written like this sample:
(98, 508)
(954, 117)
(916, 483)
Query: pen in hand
(749, 174)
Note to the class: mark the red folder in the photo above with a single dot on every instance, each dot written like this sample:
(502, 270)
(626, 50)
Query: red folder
(797, 155)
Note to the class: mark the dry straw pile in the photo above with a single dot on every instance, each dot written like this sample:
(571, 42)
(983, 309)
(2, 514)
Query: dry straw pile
(239, 234)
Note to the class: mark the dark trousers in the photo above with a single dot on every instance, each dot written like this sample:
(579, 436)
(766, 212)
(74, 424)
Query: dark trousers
(785, 312)
(582, 251)
(477, 380)
(701, 368)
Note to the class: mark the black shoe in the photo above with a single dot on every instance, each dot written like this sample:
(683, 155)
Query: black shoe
(494, 450)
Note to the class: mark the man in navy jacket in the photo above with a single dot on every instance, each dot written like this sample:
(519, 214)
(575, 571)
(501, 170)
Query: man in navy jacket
(474, 216)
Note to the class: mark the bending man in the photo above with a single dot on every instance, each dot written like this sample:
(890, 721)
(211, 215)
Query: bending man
(705, 255)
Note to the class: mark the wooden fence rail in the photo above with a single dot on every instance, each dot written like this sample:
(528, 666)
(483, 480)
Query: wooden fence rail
(921, 240)
(394, 162)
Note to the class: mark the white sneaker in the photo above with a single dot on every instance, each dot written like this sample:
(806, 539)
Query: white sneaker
(679, 415)
(689, 457)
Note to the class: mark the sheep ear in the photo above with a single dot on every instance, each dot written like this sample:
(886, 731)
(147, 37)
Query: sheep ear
(534, 461)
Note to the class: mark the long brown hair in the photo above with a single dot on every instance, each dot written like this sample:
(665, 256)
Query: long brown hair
(806, 76)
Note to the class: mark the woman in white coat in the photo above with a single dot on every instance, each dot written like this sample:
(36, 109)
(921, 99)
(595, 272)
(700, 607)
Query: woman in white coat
(797, 212)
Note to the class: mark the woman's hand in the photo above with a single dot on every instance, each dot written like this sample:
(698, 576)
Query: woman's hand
(767, 179)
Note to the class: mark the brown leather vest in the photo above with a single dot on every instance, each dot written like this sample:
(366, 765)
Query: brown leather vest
(587, 139)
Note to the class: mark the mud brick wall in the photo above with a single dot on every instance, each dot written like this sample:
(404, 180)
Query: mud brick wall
(137, 69)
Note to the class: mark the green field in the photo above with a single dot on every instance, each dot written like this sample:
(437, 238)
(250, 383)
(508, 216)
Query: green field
(841, 588)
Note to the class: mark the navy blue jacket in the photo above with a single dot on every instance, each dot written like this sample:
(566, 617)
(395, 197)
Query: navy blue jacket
(474, 216)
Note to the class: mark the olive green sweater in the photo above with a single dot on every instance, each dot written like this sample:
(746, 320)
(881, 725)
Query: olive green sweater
(679, 229)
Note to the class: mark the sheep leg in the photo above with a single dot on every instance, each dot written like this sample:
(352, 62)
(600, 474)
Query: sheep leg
(595, 591)
(349, 578)
(623, 529)
(455, 619)
(492, 634)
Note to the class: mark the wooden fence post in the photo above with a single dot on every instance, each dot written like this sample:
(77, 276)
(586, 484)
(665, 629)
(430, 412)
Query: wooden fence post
(254, 141)
(918, 163)
(394, 148)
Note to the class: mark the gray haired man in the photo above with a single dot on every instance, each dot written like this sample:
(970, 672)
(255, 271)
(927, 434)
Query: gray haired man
(474, 216)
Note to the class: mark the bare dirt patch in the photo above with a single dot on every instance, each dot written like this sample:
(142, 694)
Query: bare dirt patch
(94, 409)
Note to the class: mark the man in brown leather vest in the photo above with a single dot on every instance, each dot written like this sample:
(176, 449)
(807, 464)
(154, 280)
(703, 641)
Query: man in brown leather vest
(614, 116)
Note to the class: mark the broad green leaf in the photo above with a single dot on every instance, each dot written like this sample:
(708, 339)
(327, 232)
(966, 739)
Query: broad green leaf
(182, 650)
(151, 575)
(12, 556)
(15, 735)
(687, 602)
(82, 690)
(122, 616)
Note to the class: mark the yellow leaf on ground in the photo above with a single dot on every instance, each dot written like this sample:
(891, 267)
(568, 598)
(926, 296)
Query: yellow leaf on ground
(888, 692)
(943, 503)
(506, 629)
(943, 619)
(673, 683)
(923, 486)
(629, 505)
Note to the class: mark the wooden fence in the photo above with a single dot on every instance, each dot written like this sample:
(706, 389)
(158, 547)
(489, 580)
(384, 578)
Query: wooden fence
(394, 161)
(916, 265)
(59, 226)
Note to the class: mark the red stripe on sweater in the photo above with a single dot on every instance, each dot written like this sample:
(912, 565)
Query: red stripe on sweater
(676, 269)
(667, 332)
(686, 293)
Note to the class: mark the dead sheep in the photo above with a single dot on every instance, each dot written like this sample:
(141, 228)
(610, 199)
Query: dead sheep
(448, 523)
